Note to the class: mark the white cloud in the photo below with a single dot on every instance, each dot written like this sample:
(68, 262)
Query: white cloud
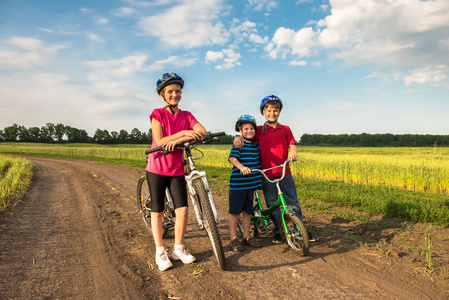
(427, 74)
(263, 4)
(52, 78)
(301, 63)
(171, 61)
(12, 59)
(191, 24)
(101, 20)
(94, 37)
(104, 69)
(285, 41)
(258, 39)
(229, 56)
(385, 34)
(25, 43)
(27, 53)
(124, 11)
(214, 56)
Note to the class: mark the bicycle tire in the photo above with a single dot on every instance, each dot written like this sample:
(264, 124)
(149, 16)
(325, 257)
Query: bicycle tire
(144, 206)
(209, 224)
(298, 238)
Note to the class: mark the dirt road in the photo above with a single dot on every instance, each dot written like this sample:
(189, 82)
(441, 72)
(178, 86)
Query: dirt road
(77, 235)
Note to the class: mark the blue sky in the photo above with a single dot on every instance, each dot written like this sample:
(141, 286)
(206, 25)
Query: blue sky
(339, 66)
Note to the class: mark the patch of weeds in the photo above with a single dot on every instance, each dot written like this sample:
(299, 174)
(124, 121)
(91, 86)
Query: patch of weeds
(406, 226)
(152, 264)
(428, 251)
(196, 268)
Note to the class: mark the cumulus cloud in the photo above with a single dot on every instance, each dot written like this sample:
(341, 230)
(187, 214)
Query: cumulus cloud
(227, 57)
(191, 24)
(395, 34)
(214, 56)
(301, 63)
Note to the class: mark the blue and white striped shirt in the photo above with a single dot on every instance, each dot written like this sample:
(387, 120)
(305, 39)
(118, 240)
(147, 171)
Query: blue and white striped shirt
(249, 157)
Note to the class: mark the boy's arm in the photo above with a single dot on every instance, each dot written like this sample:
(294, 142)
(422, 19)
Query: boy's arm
(238, 142)
(235, 162)
(293, 152)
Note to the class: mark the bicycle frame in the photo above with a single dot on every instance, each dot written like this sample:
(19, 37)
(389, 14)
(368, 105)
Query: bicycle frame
(193, 175)
(266, 213)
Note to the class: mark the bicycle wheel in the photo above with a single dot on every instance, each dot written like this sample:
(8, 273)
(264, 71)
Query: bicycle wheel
(254, 229)
(144, 206)
(297, 238)
(209, 224)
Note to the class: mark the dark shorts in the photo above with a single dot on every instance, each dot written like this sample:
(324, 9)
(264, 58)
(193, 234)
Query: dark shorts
(241, 200)
(157, 185)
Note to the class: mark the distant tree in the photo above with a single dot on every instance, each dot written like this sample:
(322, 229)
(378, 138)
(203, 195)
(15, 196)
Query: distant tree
(2, 137)
(23, 134)
(34, 133)
(114, 137)
(10, 133)
(60, 131)
(135, 136)
(123, 136)
(46, 133)
(102, 136)
(75, 135)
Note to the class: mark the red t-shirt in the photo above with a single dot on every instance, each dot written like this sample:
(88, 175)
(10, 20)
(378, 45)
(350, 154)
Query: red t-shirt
(274, 143)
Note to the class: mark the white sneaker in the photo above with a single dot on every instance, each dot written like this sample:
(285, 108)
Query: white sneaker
(163, 262)
(183, 255)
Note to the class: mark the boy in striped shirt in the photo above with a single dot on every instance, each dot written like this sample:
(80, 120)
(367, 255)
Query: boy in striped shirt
(243, 183)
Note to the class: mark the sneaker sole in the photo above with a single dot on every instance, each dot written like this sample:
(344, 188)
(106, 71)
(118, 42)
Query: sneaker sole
(186, 262)
(165, 269)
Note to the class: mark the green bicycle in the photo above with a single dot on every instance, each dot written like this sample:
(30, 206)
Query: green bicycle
(292, 227)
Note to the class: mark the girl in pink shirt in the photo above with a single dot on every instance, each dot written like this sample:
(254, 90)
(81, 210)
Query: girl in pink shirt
(170, 126)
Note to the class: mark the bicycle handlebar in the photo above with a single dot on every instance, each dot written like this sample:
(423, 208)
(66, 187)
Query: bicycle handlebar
(203, 139)
(284, 166)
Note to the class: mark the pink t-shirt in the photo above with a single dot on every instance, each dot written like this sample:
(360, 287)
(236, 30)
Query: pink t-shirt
(170, 164)
(273, 146)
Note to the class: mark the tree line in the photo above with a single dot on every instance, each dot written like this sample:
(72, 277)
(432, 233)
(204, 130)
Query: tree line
(60, 133)
(375, 140)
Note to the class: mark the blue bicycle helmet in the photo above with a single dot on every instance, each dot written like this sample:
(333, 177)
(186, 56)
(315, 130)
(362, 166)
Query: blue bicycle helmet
(168, 78)
(245, 119)
(270, 99)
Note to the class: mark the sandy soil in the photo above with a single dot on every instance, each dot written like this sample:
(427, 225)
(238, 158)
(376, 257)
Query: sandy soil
(77, 235)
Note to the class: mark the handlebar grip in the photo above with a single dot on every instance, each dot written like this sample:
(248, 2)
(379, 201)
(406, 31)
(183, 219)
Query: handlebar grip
(160, 148)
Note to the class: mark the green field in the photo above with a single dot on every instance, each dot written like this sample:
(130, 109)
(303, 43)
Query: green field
(397, 182)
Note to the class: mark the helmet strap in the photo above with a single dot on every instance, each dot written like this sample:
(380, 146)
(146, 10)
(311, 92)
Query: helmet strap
(171, 108)
(247, 140)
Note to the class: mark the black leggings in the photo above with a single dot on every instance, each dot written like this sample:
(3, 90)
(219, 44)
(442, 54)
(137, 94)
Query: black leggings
(157, 185)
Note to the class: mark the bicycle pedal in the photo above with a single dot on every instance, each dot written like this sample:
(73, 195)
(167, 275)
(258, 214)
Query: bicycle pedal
(168, 224)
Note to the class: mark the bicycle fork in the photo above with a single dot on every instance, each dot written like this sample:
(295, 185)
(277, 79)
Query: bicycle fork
(194, 175)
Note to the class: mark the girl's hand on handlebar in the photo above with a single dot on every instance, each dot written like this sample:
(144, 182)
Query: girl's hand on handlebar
(170, 146)
(192, 134)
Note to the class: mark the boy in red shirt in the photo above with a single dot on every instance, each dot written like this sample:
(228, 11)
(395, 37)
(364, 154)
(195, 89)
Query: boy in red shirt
(276, 144)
